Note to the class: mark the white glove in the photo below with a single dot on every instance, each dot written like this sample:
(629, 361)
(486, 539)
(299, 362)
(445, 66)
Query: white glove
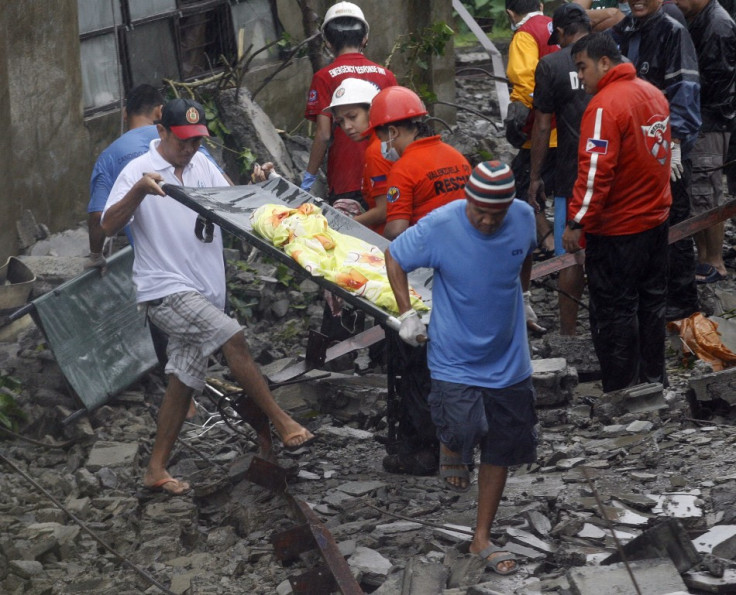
(412, 330)
(676, 163)
(529, 313)
(95, 260)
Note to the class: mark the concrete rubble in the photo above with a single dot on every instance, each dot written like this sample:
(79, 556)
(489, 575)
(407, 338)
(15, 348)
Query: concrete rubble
(665, 476)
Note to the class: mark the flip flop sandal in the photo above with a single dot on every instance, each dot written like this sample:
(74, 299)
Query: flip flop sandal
(297, 434)
(159, 486)
(708, 274)
(496, 560)
(454, 460)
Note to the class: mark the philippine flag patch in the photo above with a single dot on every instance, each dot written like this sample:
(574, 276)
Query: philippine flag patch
(596, 145)
(375, 180)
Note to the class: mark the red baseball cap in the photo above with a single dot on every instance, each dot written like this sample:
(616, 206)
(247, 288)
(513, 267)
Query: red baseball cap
(185, 118)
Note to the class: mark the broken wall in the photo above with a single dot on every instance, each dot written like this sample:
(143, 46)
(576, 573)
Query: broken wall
(49, 148)
(44, 144)
(285, 97)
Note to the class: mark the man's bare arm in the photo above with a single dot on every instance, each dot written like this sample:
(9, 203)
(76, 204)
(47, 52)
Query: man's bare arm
(118, 215)
(394, 228)
(540, 143)
(399, 282)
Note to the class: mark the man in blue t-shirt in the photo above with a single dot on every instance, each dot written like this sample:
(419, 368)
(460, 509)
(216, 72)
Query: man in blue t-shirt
(142, 109)
(481, 252)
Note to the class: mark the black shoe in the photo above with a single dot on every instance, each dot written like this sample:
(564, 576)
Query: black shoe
(418, 463)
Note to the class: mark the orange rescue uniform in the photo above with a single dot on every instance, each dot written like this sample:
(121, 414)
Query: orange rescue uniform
(428, 175)
(375, 176)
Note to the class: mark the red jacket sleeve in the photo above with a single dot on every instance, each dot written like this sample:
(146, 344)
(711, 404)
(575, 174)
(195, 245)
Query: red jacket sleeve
(598, 155)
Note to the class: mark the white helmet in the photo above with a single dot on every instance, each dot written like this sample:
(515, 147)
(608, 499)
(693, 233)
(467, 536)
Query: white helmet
(352, 91)
(344, 9)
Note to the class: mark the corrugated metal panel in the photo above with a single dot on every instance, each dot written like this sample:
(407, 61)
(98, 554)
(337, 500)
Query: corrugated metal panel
(95, 331)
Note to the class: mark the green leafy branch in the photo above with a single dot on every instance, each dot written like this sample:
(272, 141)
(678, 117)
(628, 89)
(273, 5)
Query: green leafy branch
(10, 412)
(419, 47)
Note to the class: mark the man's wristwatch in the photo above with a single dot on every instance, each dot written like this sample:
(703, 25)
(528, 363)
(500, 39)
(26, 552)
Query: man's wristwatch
(572, 224)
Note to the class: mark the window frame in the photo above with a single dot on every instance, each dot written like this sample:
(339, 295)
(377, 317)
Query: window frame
(221, 19)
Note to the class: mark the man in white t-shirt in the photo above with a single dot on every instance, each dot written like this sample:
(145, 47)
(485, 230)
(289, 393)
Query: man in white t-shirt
(181, 282)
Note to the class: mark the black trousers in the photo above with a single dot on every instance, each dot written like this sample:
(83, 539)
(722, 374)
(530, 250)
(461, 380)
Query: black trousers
(408, 366)
(682, 291)
(627, 281)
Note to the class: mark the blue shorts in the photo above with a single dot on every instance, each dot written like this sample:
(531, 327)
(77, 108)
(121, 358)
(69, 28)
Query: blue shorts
(502, 420)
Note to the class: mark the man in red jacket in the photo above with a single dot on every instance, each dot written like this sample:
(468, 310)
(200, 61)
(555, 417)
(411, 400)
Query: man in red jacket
(622, 200)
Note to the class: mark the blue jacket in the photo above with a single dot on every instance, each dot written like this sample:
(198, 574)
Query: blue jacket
(664, 55)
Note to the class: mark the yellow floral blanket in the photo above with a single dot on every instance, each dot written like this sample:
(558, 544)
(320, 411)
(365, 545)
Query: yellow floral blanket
(351, 263)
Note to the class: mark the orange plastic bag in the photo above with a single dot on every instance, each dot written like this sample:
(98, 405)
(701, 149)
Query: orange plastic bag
(700, 335)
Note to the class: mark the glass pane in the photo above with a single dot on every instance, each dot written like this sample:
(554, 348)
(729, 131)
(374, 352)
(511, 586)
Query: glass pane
(140, 9)
(100, 71)
(255, 20)
(94, 15)
(152, 53)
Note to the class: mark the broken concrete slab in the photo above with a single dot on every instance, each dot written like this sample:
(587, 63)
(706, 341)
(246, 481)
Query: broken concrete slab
(251, 127)
(686, 507)
(538, 522)
(668, 539)
(717, 385)
(720, 541)
(639, 426)
(465, 568)
(617, 513)
(590, 531)
(421, 577)
(523, 551)
(360, 488)
(370, 562)
(348, 397)
(639, 399)
(577, 351)
(706, 582)
(654, 577)
(454, 533)
(112, 454)
(397, 527)
(554, 381)
(29, 231)
(528, 540)
(346, 432)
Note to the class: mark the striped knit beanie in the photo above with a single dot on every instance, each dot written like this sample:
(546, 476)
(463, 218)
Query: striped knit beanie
(491, 185)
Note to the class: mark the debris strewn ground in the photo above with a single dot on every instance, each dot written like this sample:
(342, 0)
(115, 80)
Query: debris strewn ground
(650, 454)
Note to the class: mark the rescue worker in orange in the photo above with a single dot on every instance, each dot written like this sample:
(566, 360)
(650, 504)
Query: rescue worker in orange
(427, 173)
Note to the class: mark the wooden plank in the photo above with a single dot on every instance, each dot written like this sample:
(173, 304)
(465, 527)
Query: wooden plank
(678, 232)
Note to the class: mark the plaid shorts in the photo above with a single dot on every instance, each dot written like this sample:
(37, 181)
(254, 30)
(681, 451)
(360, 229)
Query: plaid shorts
(502, 420)
(196, 329)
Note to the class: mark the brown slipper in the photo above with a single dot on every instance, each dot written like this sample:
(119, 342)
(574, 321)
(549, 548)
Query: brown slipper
(170, 486)
(309, 438)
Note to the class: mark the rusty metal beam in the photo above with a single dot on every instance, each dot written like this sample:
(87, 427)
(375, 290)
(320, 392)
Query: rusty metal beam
(310, 535)
(267, 475)
(330, 552)
(316, 581)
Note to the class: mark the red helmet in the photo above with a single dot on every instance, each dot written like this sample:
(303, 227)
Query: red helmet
(393, 104)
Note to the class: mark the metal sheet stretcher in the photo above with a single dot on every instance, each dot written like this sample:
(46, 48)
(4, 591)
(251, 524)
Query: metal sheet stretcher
(231, 208)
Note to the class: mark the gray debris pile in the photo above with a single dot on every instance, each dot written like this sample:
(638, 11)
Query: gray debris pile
(647, 471)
